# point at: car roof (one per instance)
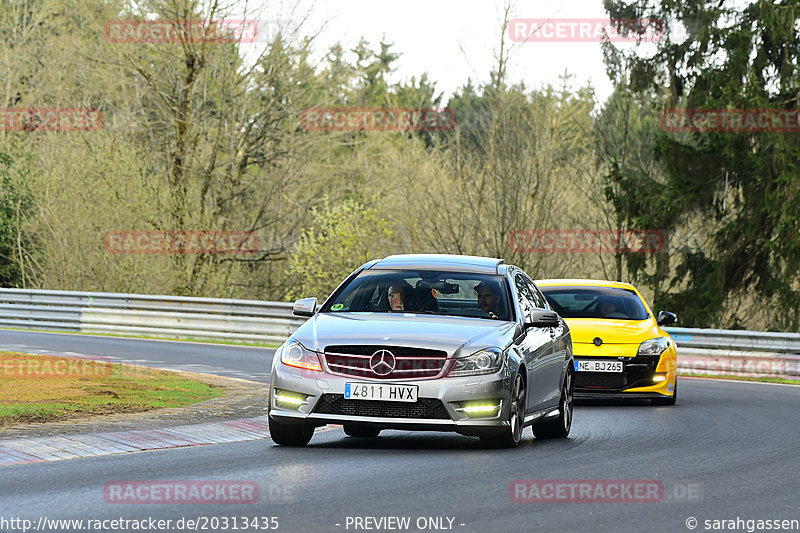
(582, 283)
(444, 262)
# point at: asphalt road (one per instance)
(726, 451)
(218, 359)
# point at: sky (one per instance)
(455, 40)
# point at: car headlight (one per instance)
(654, 346)
(295, 354)
(483, 362)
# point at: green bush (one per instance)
(341, 238)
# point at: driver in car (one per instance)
(490, 299)
(607, 308)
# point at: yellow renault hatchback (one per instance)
(620, 349)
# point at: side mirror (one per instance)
(541, 318)
(665, 318)
(305, 307)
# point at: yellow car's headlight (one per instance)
(655, 346)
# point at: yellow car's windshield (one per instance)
(595, 302)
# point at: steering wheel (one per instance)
(475, 312)
(432, 306)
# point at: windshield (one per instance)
(595, 302)
(429, 292)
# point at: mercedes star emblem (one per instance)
(382, 362)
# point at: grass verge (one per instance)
(40, 388)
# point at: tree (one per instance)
(744, 185)
(342, 237)
(17, 247)
(222, 139)
(633, 182)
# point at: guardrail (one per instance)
(737, 352)
(148, 315)
(700, 351)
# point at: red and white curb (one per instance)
(40, 449)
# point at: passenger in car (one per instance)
(401, 297)
(490, 298)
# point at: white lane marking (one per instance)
(205, 343)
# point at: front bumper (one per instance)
(618, 395)
(436, 409)
(635, 380)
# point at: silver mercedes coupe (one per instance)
(426, 343)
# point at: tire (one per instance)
(667, 400)
(363, 432)
(512, 434)
(290, 434)
(560, 427)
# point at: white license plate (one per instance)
(380, 391)
(598, 366)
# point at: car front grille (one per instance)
(602, 380)
(636, 372)
(409, 363)
(335, 404)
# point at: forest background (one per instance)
(196, 137)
